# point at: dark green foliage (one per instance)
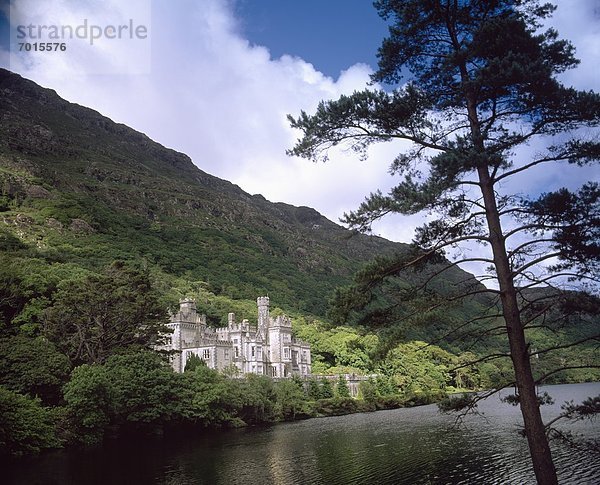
(25, 426)
(368, 390)
(212, 399)
(33, 366)
(314, 389)
(457, 403)
(589, 408)
(139, 392)
(578, 245)
(4, 206)
(102, 314)
(192, 362)
(337, 406)
(89, 402)
(8, 242)
(386, 384)
(290, 398)
(143, 389)
(326, 388)
(341, 388)
(259, 398)
(27, 285)
(513, 399)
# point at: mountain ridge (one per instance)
(62, 161)
(45, 142)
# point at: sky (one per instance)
(215, 79)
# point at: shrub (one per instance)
(25, 426)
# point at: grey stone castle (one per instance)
(267, 348)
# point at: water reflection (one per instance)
(413, 446)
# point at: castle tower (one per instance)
(187, 305)
(263, 315)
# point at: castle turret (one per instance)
(263, 315)
(187, 305)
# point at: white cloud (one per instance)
(98, 37)
(212, 95)
(579, 21)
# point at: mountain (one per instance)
(75, 182)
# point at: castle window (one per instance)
(253, 350)
(274, 371)
(226, 353)
(206, 354)
(304, 359)
(259, 352)
(286, 353)
(237, 351)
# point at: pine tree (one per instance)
(314, 389)
(326, 388)
(482, 84)
(341, 389)
(192, 362)
(106, 313)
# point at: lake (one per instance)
(413, 446)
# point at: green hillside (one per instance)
(78, 191)
(80, 188)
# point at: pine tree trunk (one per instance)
(539, 448)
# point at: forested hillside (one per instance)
(82, 189)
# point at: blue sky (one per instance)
(216, 78)
(332, 34)
(4, 29)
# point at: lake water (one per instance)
(412, 446)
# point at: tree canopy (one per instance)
(102, 314)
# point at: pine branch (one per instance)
(566, 346)
(541, 379)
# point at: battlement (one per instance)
(188, 304)
(244, 326)
(282, 321)
(183, 325)
(188, 313)
(262, 301)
